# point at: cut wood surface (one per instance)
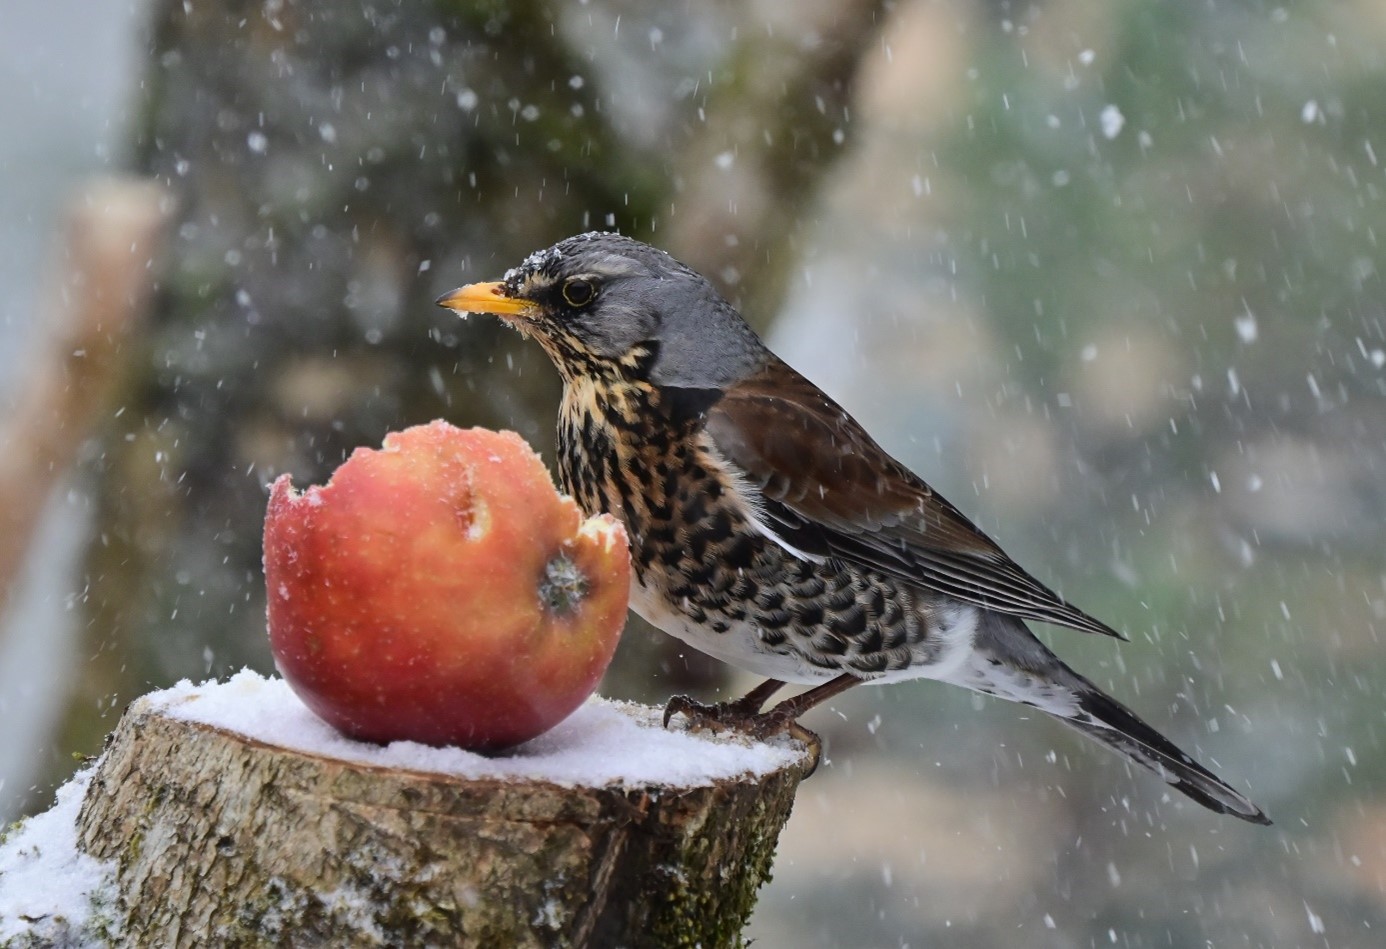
(224, 839)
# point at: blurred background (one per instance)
(1106, 273)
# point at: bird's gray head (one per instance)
(602, 301)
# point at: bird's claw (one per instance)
(718, 717)
(733, 716)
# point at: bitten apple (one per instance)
(440, 590)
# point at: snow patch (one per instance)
(601, 744)
(50, 892)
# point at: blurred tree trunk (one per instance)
(97, 295)
(337, 166)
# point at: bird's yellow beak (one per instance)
(487, 298)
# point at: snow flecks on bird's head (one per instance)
(540, 262)
(604, 253)
(543, 267)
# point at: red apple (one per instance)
(440, 590)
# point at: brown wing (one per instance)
(830, 490)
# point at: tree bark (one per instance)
(219, 837)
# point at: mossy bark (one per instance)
(221, 838)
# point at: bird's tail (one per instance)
(1010, 663)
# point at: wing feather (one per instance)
(827, 487)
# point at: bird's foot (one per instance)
(748, 719)
(722, 716)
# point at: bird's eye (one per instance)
(579, 291)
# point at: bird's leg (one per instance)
(723, 714)
(784, 717)
(791, 708)
(753, 700)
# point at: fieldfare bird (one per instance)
(767, 528)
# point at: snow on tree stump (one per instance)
(235, 816)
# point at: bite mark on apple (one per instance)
(478, 516)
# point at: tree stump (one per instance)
(223, 837)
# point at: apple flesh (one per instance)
(440, 590)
